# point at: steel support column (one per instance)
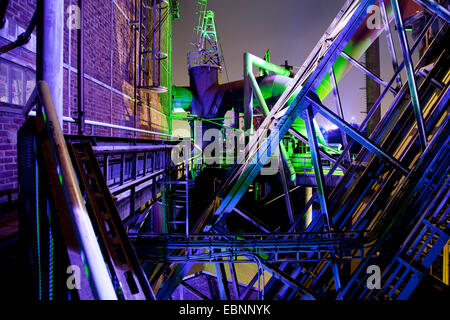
(287, 196)
(315, 158)
(410, 73)
(222, 281)
(50, 40)
(248, 95)
(337, 99)
(80, 74)
(390, 42)
(234, 279)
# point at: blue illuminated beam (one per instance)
(265, 148)
(315, 157)
(435, 7)
(348, 129)
(410, 73)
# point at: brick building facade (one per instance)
(110, 53)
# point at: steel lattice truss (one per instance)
(401, 170)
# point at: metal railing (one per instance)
(86, 238)
(205, 58)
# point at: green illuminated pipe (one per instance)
(266, 110)
(361, 41)
(252, 60)
(182, 98)
(249, 84)
(270, 87)
(274, 85)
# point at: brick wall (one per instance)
(10, 122)
(110, 68)
(109, 64)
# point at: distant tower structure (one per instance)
(208, 52)
(204, 66)
(152, 42)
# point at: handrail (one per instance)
(27, 111)
(92, 256)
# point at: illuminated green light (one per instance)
(86, 270)
(182, 99)
(178, 110)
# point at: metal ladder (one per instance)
(178, 197)
(124, 267)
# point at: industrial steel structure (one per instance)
(256, 203)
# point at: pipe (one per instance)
(216, 100)
(248, 94)
(266, 111)
(363, 37)
(251, 60)
(23, 38)
(115, 126)
(250, 87)
(50, 40)
(93, 258)
(3, 8)
(361, 40)
(103, 124)
(80, 74)
(266, 65)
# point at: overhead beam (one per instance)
(369, 73)
(436, 8)
(328, 114)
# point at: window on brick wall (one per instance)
(16, 83)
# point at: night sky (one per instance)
(290, 28)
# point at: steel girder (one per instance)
(306, 104)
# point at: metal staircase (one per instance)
(125, 269)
